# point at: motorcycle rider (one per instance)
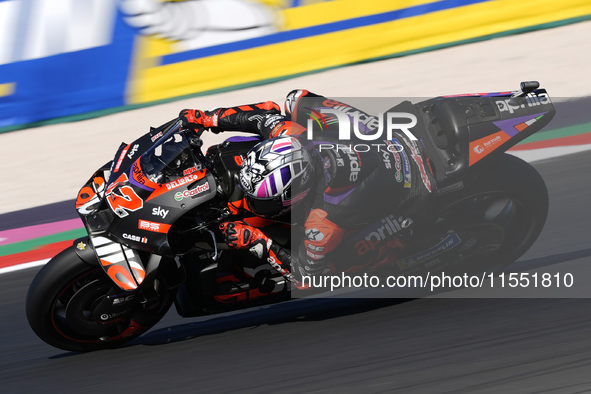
(341, 187)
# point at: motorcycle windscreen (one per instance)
(170, 159)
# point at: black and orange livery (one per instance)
(152, 215)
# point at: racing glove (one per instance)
(197, 120)
(240, 235)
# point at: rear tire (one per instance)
(67, 307)
(509, 200)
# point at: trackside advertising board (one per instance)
(61, 58)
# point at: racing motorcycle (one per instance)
(152, 215)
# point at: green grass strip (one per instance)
(559, 133)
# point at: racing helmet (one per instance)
(275, 174)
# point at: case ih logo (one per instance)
(135, 238)
(153, 226)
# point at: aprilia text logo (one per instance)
(512, 105)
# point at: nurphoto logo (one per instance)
(394, 121)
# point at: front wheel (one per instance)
(75, 306)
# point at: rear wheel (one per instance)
(499, 217)
(75, 306)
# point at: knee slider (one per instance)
(322, 235)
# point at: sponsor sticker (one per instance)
(398, 167)
(156, 136)
(389, 226)
(181, 181)
(414, 150)
(192, 193)
(132, 151)
(160, 212)
(449, 242)
(191, 170)
(121, 157)
(530, 100)
(138, 174)
(405, 162)
(135, 238)
(153, 226)
(273, 120)
(485, 145)
(313, 234)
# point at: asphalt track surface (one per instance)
(346, 345)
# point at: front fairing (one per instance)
(152, 182)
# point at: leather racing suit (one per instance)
(358, 189)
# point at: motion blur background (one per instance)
(70, 60)
(74, 57)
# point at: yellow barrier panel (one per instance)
(6, 89)
(152, 81)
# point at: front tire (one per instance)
(75, 306)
